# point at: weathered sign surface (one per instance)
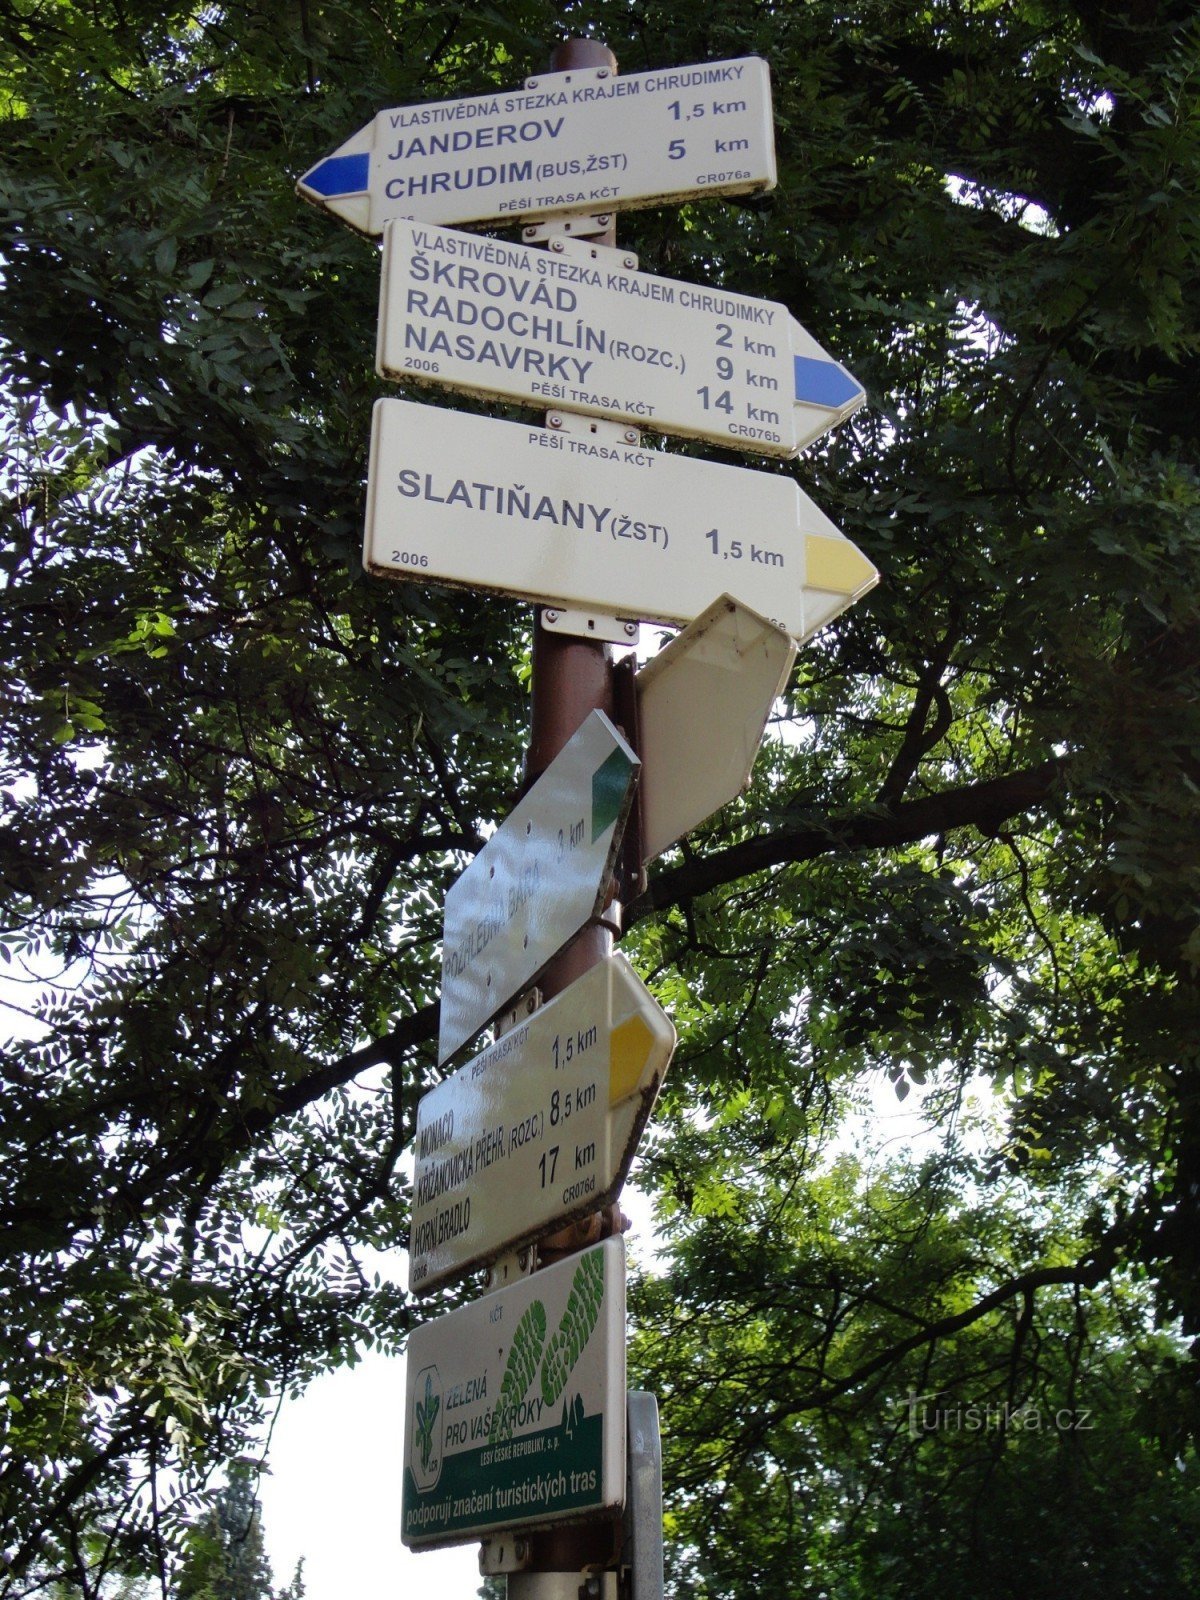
(572, 327)
(539, 879)
(539, 1127)
(576, 142)
(703, 704)
(562, 519)
(515, 1407)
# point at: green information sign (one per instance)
(515, 1408)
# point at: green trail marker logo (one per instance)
(428, 1430)
(558, 1359)
(575, 1329)
(521, 1420)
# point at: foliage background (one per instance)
(238, 778)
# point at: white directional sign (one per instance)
(515, 1406)
(566, 520)
(703, 703)
(539, 879)
(584, 141)
(567, 328)
(539, 1127)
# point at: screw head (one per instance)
(604, 220)
(602, 73)
(631, 436)
(531, 83)
(631, 628)
(557, 244)
(631, 261)
(552, 616)
(555, 422)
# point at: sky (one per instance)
(332, 1495)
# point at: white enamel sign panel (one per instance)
(515, 1405)
(563, 519)
(539, 879)
(539, 1127)
(573, 328)
(583, 142)
(703, 703)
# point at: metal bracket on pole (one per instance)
(510, 1268)
(575, 227)
(610, 256)
(503, 1552)
(599, 428)
(599, 1586)
(522, 1008)
(591, 624)
(562, 1586)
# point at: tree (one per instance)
(867, 1388)
(225, 1558)
(239, 775)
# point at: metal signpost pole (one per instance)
(515, 1416)
(571, 677)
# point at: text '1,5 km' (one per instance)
(581, 141)
(539, 1127)
(564, 520)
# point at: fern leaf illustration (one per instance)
(426, 1416)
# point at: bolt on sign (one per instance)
(582, 142)
(566, 327)
(538, 1128)
(515, 1405)
(562, 519)
(542, 877)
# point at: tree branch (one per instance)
(985, 806)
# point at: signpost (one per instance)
(515, 1413)
(562, 519)
(585, 141)
(564, 328)
(703, 704)
(540, 878)
(538, 1128)
(515, 1405)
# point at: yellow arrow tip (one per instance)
(630, 1045)
(837, 566)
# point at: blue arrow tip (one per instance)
(339, 175)
(824, 383)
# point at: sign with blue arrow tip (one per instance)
(578, 327)
(569, 143)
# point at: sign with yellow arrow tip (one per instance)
(592, 525)
(538, 1128)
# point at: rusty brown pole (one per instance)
(571, 678)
